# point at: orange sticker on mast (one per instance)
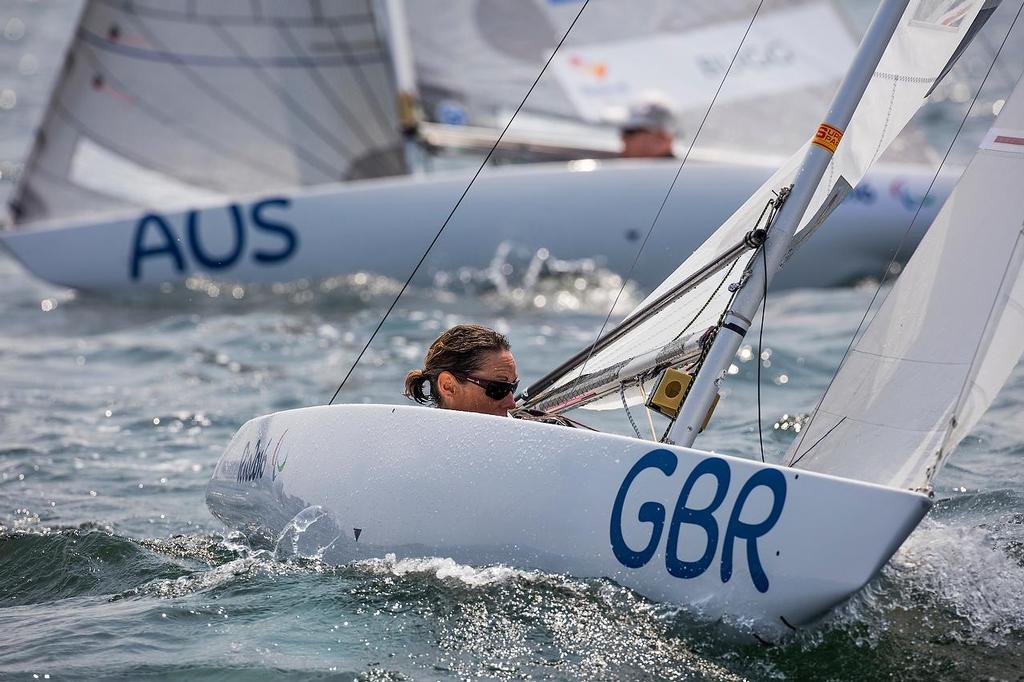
(827, 137)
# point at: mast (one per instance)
(403, 62)
(737, 319)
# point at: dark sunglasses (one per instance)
(495, 390)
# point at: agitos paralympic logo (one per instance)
(253, 463)
(910, 200)
(598, 70)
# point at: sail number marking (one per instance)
(156, 239)
(698, 524)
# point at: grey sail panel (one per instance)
(180, 102)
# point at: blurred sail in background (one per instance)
(164, 102)
(476, 58)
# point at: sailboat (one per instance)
(768, 547)
(260, 142)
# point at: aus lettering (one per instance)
(691, 524)
(273, 240)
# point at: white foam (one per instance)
(445, 568)
(965, 570)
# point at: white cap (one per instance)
(650, 113)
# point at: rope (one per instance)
(625, 406)
(457, 204)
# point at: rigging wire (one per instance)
(899, 247)
(458, 203)
(760, 339)
(664, 201)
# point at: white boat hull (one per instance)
(755, 544)
(384, 226)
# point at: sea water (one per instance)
(114, 410)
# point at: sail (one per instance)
(176, 101)
(929, 35)
(476, 58)
(945, 339)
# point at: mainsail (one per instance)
(946, 337)
(476, 58)
(929, 37)
(174, 100)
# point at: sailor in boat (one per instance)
(468, 368)
(648, 130)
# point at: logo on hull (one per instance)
(252, 466)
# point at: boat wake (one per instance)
(951, 598)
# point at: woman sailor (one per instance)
(468, 368)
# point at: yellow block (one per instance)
(668, 395)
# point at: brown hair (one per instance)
(459, 350)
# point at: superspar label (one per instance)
(827, 137)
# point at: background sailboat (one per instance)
(180, 136)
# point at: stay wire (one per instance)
(664, 201)
(458, 203)
(760, 340)
(899, 247)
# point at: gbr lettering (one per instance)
(690, 526)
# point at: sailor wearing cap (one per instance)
(648, 130)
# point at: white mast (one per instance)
(403, 62)
(738, 318)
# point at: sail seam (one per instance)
(901, 78)
(168, 57)
(897, 358)
(883, 425)
(191, 17)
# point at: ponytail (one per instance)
(415, 382)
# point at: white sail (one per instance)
(475, 59)
(175, 100)
(929, 36)
(945, 339)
